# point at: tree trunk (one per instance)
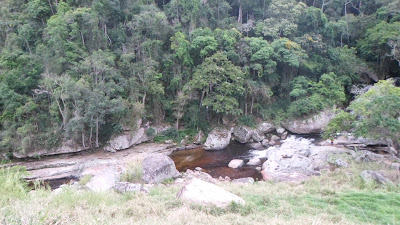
(97, 132)
(83, 138)
(240, 12)
(252, 104)
(177, 124)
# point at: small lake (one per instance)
(216, 163)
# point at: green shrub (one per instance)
(247, 121)
(151, 132)
(133, 174)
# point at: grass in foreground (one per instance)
(338, 197)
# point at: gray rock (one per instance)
(218, 139)
(236, 163)
(246, 180)
(256, 145)
(242, 134)
(198, 139)
(257, 137)
(265, 127)
(370, 175)
(129, 138)
(274, 140)
(395, 166)
(157, 168)
(284, 135)
(321, 155)
(254, 162)
(109, 149)
(123, 187)
(280, 130)
(338, 162)
(69, 146)
(204, 193)
(265, 143)
(313, 125)
(292, 146)
(168, 141)
(367, 156)
(103, 181)
(278, 164)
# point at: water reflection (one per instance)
(216, 163)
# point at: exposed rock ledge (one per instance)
(313, 125)
(66, 147)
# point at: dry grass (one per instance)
(338, 197)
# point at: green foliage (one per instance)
(247, 121)
(374, 114)
(151, 132)
(133, 173)
(312, 97)
(220, 82)
(81, 70)
(11, 184)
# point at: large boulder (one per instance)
(278, 164)
(322, 156)
(289, 161)
(265, 127)
(313, 125)
(129, 138)
(218, 139)
(242, 134)
(157, 168)
(293, 145)
(204, 193)
(103, 181)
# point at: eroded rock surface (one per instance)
(218, 139)
(313, 125)
(157, 168)
(204, 193)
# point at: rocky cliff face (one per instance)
(312, 125)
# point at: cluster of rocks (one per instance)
(264, 135)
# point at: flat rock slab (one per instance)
(204, 193)
(236, 163)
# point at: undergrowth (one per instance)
(338, 197)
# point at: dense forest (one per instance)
(84, 69)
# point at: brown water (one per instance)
(216, 163)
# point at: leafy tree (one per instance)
(374, 114)
(220, 83)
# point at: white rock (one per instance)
(242, 134)
(103, 181)
(235, 163)
(314, 124)
(157, 168)
(218, 139)
(280, 130)
(265, 127)
(204, 193)
(254, 162)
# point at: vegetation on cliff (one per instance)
(84, 70)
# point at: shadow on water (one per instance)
(216, 163)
